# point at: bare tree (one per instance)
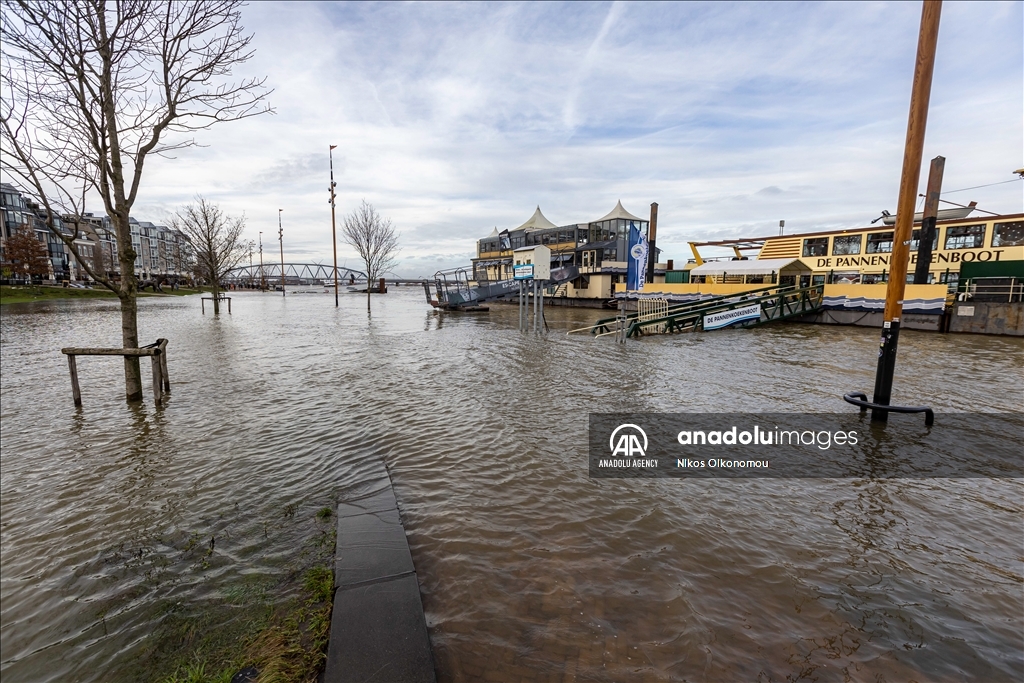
(91, 88)
(374, 239)
(215, 241)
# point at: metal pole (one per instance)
(280, 237)
(928, 219)
(540, 323)
(334, 233)
(520, 305)
(534, 305)
(263, 277)
(910, 177)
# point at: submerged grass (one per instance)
(17, 294)
(285, 642)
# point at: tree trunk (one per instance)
(129, 308)
(367, 294)
(215, 291)
(130, 340)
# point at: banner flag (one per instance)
(636, 266)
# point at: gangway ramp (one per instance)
(457, 292)
(747, 309)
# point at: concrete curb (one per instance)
(378, 631)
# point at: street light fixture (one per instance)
(263, 275)
(280, 237)
(334, 231)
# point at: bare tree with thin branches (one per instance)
(92, 88)
(215, 240)
(374, 239)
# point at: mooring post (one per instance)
(76, 392)
(928, 220)
(913, 151)
(202, 303)
(229, 305)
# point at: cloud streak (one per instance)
(454, 119)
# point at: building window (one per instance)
(816, 246)
(1008, 234)
(880, 243)
(915, 240)
(845, 245)
(965, 237)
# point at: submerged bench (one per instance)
(204, 299)
(378, 631)
(156, 351)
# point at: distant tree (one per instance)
(214, 239)
(89, 89)
(374, 239)
(25, 255)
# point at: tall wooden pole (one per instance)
(334, 231)
(909, 179)
(928, 220)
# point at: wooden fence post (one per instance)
(158, 380)
(162, 345)
(76, 392)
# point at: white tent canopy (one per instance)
(619, 212)
(755, 267)
(537, 222)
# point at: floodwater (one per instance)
(529, 569)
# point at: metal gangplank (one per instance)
(456, 292)
(777, 303)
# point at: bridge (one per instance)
(304, 274)
(294, 274)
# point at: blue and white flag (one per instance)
(636, 260)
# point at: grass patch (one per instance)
(287, 644)
(18, 294)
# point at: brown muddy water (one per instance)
(529, 569)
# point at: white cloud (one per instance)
(454, 119)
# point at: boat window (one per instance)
(965, 236)
(915, 240)
(846, 277)
(845, 244)
(817, 279)
(880, 243)
(1008, 234)
(816, 246)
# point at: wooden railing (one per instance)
(156, 351)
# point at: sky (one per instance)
(453, 119)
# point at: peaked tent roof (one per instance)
(494, 233)
(537, 222)
(619, 212)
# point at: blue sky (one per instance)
(454, 119)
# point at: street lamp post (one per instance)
(280, 238)
(263, 276)
(334, 231)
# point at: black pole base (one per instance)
(886, 368)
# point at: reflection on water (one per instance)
(118, 522)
